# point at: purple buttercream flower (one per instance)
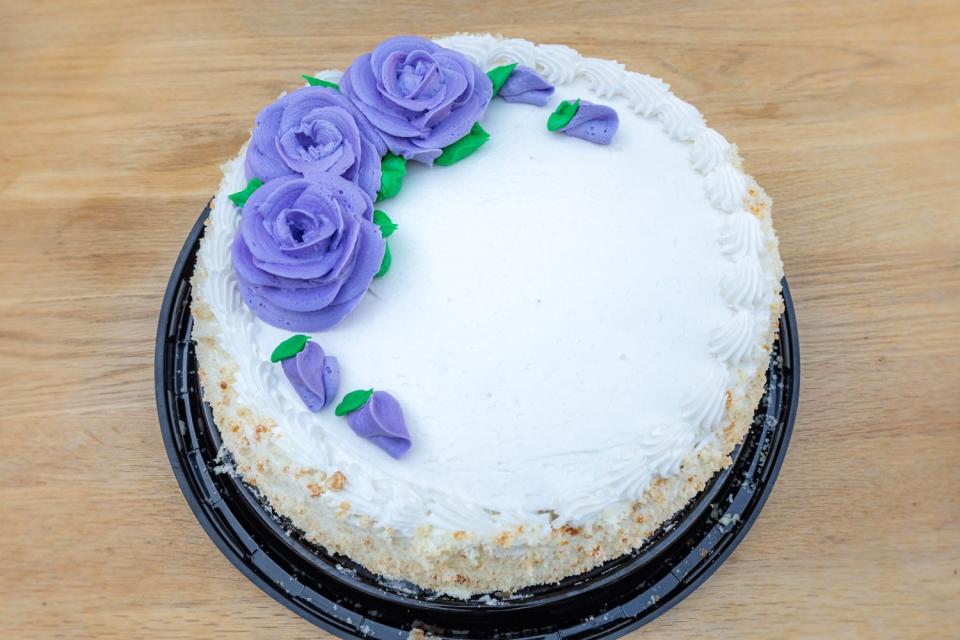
(314, 375)
(595, 123)
(421, 97)
(380, 420)
(526, 85)
(306, 251)
(311, 131)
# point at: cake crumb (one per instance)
(337, 481)
(315, 490)
(459, 535)
(570, 531)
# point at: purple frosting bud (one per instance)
(421, 97)
(314, 376)
(306, 251)
(526, 85)
(595, 123)
(380, 420)
(311, 131)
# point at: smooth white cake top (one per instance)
(561, 323)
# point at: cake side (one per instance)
(465, 561)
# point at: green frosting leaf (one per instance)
(382, 220)
(499, 75)
(385, 265)
(563, 114)
(289, 347)
(392, 170)
(353, 401)
(240, 197)
(317, 82)
(463, 147)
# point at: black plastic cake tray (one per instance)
(345, 599)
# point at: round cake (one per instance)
(563, 339)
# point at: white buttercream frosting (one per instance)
(562, 323)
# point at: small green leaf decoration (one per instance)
(289, 347)
(317, 82)
(353, 401)
(382, 220)
(392, 170)
(499, 75)
(463, 147)
(240, 197)
(385, 265)
(563, 114)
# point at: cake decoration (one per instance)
(392, 170)
(315, 131)
(319, 82)
(308, 246)
(420, 96)
(382, 220)
(526, 86)
(240, 197)
(353, 401)
(385, 263)
(463, 147)
(595, 123)
(306, 251)
(376, 416)
(289, 347)
(563, 114)
(314, 375)
(499, 75)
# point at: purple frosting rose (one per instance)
(311, 131)
(421, 97)
(314, 375)
(526, 85)
(306, 251)
(380, 420)
(595, 123)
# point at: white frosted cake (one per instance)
(572, 337)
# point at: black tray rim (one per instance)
(333, 625)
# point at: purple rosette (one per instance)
(595, 123)
(527, 86)
(314, 375)
(315, 130)
(306, 251)
(421, 97)
(380, 420)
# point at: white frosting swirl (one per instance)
(733, 341)
(741, 237)
(604, 76)
(704, 404)
(557, 63)
(681, 120)
(513, 50)
(726, 187)
(745, 284)
(709, 151)
(645, 94)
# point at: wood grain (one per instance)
(115, 116)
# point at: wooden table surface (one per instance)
(114, 119)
